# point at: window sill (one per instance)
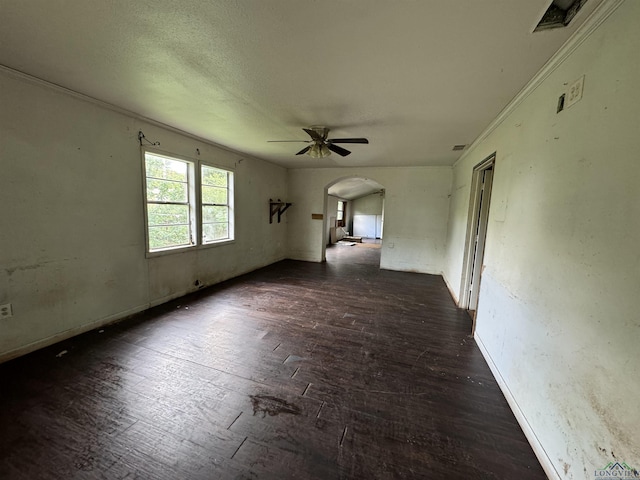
(217, 244)
(190, 248)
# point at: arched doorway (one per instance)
(353, 217)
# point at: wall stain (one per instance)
(34, 266)
(617, 431)
(11, 271)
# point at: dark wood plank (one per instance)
(298, 370)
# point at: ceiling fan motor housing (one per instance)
(323, 146)
(322, 131)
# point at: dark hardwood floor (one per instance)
(299, 370)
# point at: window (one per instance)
(173, 189)
(169, 206)
(216, 206)
(340, 214)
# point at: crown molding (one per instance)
(591, 24)
(114, 108)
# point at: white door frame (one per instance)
(477, 223)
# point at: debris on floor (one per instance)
(348, 244)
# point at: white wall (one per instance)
(369, 211)
(416, 209)
(72, 245)
(369, 205)
(556, 318)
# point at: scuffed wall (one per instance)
(562, 266)
(72, 245)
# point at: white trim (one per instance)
(123, 111)
(194, 183)
(451, 291)
(538, 449)
(469, 243)
(599, 15)
(173, 296)
(217, 243)
(231, 204)
(116, 317)
(192, 203)
(72, 332)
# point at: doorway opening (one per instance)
(354, 221)
(481, 183)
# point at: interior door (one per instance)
(480, 235)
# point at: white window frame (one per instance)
(340, 213)
(229, 205)
(195, 203)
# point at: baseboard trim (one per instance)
(537, 447)
(72, 332)
(116, 317)
(451, 290)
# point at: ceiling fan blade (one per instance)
(339, 150)
(313, 134)
(289, 141)
(348, 140)
(304, 150)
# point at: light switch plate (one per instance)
(574, 93)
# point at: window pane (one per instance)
(166, 191)
(160, 167)
(169, 202)
(214, 195)
(214, 176)
(215, 231)
(215, 214)
(168, 236)
(168, 214)
(340, 215)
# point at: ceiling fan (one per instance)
(321, 145)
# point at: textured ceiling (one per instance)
(414, 77)
(352, 188)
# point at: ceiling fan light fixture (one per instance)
(319, 150)
(314, 151)
(320, 146)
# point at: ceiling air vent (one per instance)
(457, 148)
(559, 14)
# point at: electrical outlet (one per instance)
(6, 311)
(574, 94)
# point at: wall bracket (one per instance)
(278, 207)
